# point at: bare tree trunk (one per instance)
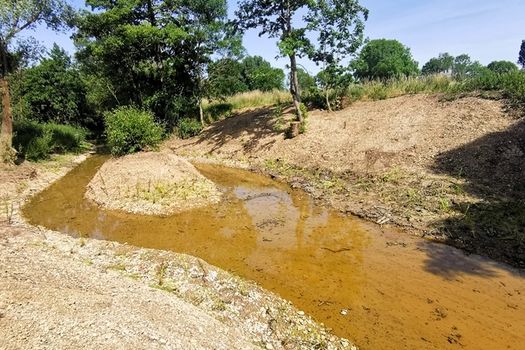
(201, 112)
(294, 88)
(327, 96)
(6, 135)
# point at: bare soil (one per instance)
(151, 183)
(448, 170)
(61, 292)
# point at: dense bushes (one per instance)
(36, 141)
(130, 130)
(52, 92)
(188, 127)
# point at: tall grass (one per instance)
(216, 110)
(380, 90)
(510, 85)
(36, 141)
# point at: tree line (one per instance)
(165, 57)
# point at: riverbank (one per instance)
(447, 170)
(63, 292)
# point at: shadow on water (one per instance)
(494, 168)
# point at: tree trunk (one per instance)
(201, 112)
(327, 96)
(6, 135)
(294, 88)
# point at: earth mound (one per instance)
(152, 184)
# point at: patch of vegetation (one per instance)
(218, 111)
(130, 130)
(37, 141)
(188, 127)
(254, 99)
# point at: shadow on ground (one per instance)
(256, 129)
(494, 168)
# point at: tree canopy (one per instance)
(229, 76)
(521, 57)
(502, 67)
(384, 59)
(152, 52)
(444, 63)
(15, 17)
(336, 25)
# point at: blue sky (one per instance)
(487, 30)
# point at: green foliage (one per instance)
(152, 54)
(218, 111)
(52, 91)
(330, 29)
(17, 16)
(36, 141)
(258, 74)
(130, 130)
(439, 65)
(225, 77)
(306, 81)
(502, 67)
(228, 77)
(251, 99)
(384, 59)
(188, 127)
(521, 57)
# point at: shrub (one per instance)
(66, 138)
(188, 128)
(130, 130)
(36, 141)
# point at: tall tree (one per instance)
(521, 58)
(384, 59)
(17, 16)
(337, 25)
(502, 67)
(152, 53)
(442, 64)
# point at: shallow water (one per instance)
(378, 287)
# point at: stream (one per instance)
(376, 286)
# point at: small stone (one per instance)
(344, 312)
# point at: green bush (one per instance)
(130, 130)
(188, 127)
(36, 141)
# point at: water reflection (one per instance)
(323, 262)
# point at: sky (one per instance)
(487, 30)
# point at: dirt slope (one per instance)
(408, 131)
(420, 161)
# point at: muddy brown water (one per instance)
(379, 287)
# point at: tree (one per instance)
(335, 23)
(225, 78)
(15, 17)
(53, 91)
(306, 81)
(502, 67)
(442, 64)
(258, 74)
(152, 53)
(521, 58)
(384, 59)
